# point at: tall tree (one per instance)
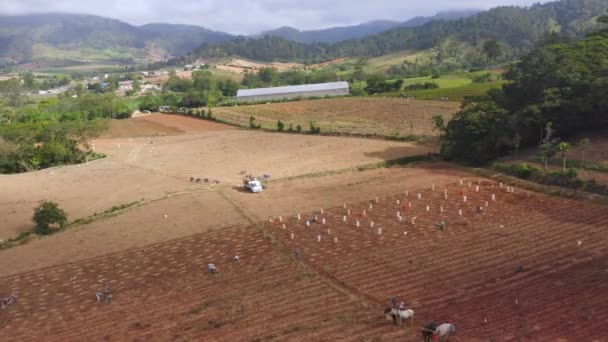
(564, 148)
(492, 49)
(584, 144)
(359, 74)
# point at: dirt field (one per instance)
(466, 273)
(160, 124)
(384, 116)
(155, 255)
(163, 79)
(137, 169)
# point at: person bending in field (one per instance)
(428, 331)
(212, 268)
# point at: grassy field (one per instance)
(367, 115)
(457, 93)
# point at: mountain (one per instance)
(87, 37)
(338, 34)
(518, 29)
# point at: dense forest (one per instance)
(518, 29)
(556, 91)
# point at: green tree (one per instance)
(517, 144)
(136, 84)
(48, 215)
(439, 124)
(549, 145)
(280, 126)
(564, 148)
(29, 81)
(584, 144)
(477, 134)
(79, 89)
(492, 49)
(267, 75)
(359, 73)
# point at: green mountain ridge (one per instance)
(73, 36)
(516, 28)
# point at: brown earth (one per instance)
(155, 255)
(383, 116)
(160, 124)
(149, 168)
(466, 273)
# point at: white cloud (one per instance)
(251, 16)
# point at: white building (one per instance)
(125, 85)
(289, 92)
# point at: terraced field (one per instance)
(467, 273)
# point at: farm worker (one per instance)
(402, 306)
(480, 209)
(212, 268)
(298, 253)
(442, 225)
(461, 192)
(236, 258)
(394, 302)
(428, 331)
(445, 329)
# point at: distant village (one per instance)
(150, 81)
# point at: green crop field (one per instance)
(454, 93)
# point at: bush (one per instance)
(314, 129)
(299, 128)
(484, 78)
(435, 75)
(252, 123)
(421, 86)
(523, 171)
(567, 179)
(280, 126)
(48, 215)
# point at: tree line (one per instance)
(555, 93)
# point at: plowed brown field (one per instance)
(467, 273)
(382, 116)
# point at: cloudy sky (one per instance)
(252, 16)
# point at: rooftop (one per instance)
(292, 89)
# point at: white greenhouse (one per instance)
(289, 92)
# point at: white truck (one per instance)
(253, 185)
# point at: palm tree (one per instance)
(564, 148)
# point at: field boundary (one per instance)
(406, 138)
(366, 167)
(541, 188)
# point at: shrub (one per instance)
(420, 86)
(314, 129)
(280, 126)
(299, 128)
(47, 215)
(252, 123)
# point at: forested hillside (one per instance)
(556, 92)
(86, 37)
(517, 29)
(338, 34)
